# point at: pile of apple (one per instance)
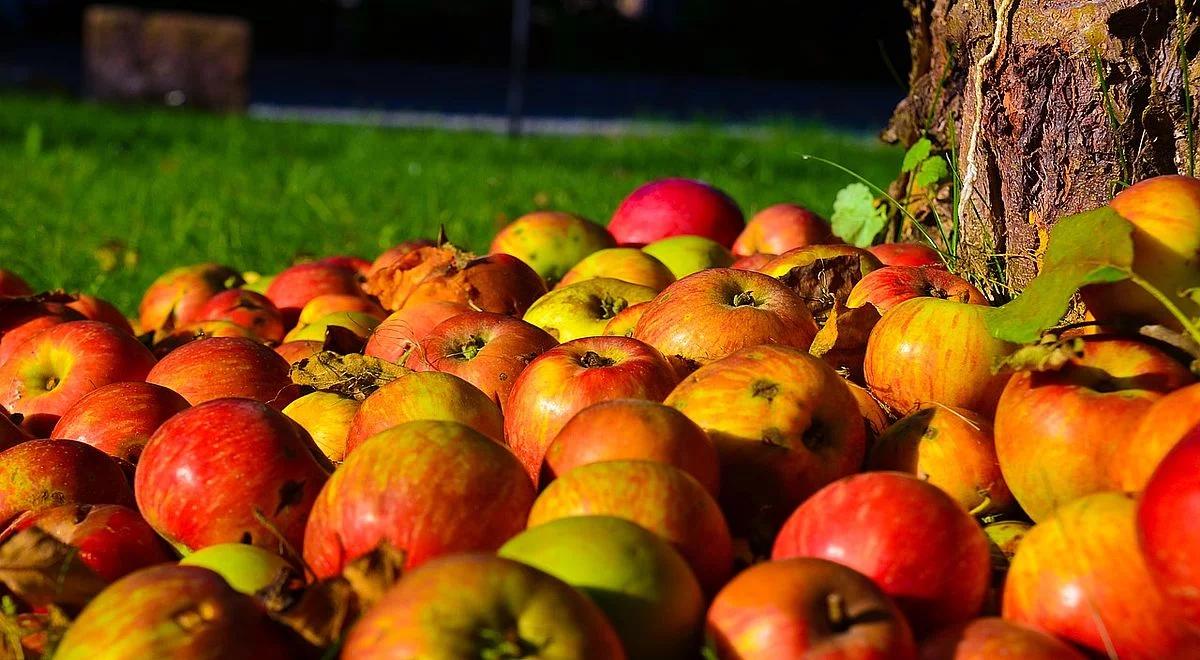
(684, 434)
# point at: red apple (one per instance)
(1165, 214)
(118, 419)
(674, 207)
(660, 497)
(429, 395)
(390, 256)
(950, 448)
(220, 367)
(784, 425)
(55, 368)
(42, 474)
(624, 322)
(402, 332)
(10, 433)
(113, 540)
(633, 429)
(1057, 431)
(570, 377)
(209, 472)
(754, 262)
(807, 608)
(356, 264)
(175, 297)
(917, 544)
(23, 318)
(992, 637)
(430, 488)
(487, 350)
(928, 350)
(487, 607)
(294, 351)
(713, 313)
(98, 309)
(1080, 576)
(551, 242)
(330, 303)
(295, 286)
(1166, 529)
(499, 283)
(907, 254)
(1163, 425)
(247, 309)
(626, 264)
(782, 227)
(11, 284)
(891, 285)
(174, 611)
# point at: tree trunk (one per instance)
(1047, 108)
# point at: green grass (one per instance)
(104, 200)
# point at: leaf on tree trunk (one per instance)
(355, 376)
(1089, 248)
(856, 218)
(916, 155)
(41, 570)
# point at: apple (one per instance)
(623, 324)
(175, 611)
(1057, 431)
(294, 351)
(873, 414)
(807, 608)
(660, 497)
(891, 285)
(625, 264)
(166, 342)
(1005, 537)
(713, 313)
(339, 302)
(327, 417)
(55, 368)
(583, 309)
(1079, 575)
(920, 546)
(402, 331)
(430, 395)
(1165, 528)
(356, 264)
(245, 308)
(10, 433)
(11, 284)
(685, 255)
(1162, 426)
(1165, 214)
(782, 227)
(360, 323)
(113, 540)
(42, 474)
(118, 419)
(628, 429)
(643, 586)
(673, 207)
(396, 253)
(294, 287)
(754, 262)
(177, 296)
(21, 319)
(479, 605)
(247, 568)
(784, 425)
(907, 254)
(928, 350)
(210, 472)
(572, 376)
(952, 449)
(98, 309)
(219, 367)
(430, 488)
(993, 637)
(499, 283)
(551, 242)
(487, 350)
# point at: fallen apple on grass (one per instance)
(401, 333)
(782, 227)
(674, 207)
(221, 367)
(247, 309)
(424, 395)
(625, 264)
(685, 255)
(119, 419)
(891, 285)
(176, 297)
(585, 308)
(551, 242)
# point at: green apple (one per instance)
(640, 582)
(623, 263)
(360, 323)
(583, 309)
(246, 568)
(326, 416)
(551, 242)
(685, 255)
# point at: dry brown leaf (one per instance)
(353, 375)
(825, 283)
(41, 570)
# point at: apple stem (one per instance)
(1188, 326)
(744, 298)
(592, 360)
(835, 606)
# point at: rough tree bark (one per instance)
(1048, 107)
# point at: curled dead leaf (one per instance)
(41, 571)
(355, 376)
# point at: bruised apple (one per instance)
(42, 474)
(499, 283)
(401, 333)
(247, 309)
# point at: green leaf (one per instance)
(856, 219)
(931, 171)
(1090, 248)
(916, 154)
